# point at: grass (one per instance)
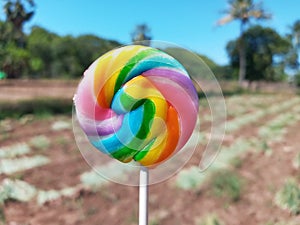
(14, 150)
(62, 140)
(281, 223)
(39, 108)
(296, 161)
(16, 190)
(49, 195)
(211, 219)
(190, 178)
(288, 197)
(236, 162)
(227, 184)
(261, 145)
(11, 166)
(249, 118)
(61, 125)
(40, 142)
(154, 222)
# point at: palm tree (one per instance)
(141, 35)
(296, 34)
(243, 11)
(17, 14)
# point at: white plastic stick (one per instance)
(143, 198)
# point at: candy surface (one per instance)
(137, 103)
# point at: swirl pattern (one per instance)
(137, 103)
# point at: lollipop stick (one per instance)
(143, 198)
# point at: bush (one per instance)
(38, 107)
(227, 184)
(289, 197)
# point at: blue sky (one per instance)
(190, 24)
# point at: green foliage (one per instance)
(10, 166)
(61, 125)
(37, 107)
(211, 219)
(296, 161)
(17, 190)
(6, 30)
(40, 142)
(49, 195)
(190, 178)
(227, 184)
(265, 51)
(297, 79)
(14, 150)
(48, 55)
(289, 197)
(236, 162)
(296, 33)
(39, 43)
(154, 222)
(14, 61)
(243, 11)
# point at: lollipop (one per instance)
(137, 103)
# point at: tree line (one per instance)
(259, 53)
(41, 53)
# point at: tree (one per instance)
(265, 52)
(295, 51)
(14, 61)
(39, 43)
(6, 30)
(90, 47)
(243, 11)
(297, 79)
(141, 35)
(17, 13)
(296, 34)
(295, 39)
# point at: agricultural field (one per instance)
(254, 179)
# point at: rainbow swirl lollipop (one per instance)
(137, 103)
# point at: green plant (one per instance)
(190, 178)
(17, 176)
(296, 161)
(227, 184)
(236, 162)
(61, 125)
(40, 108)
(40, 142)
(211, 219)
(154, 221)
(61, 140)
(281, 223)
(288, 197)
(11, 166)
(12, 151)
(91, 211)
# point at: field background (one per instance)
(45, 180)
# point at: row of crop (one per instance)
(221, 176)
